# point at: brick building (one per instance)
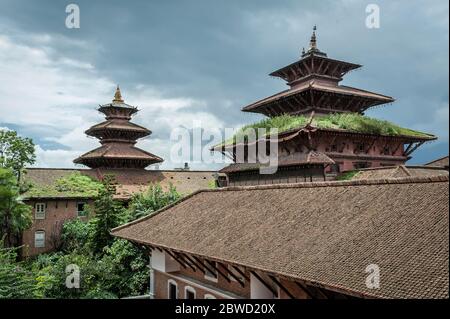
(305, 240)
(117, 156)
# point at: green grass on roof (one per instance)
(74, 185)
(342, 121)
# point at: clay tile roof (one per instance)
(399, 172)
(311, 157)
(129, 181)
(119, 124)
(441, 162)
(325, 233)
(340, 89)
(119, 150)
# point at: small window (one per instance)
(81, 209)
(208, 296)
(172, 289)
(211, 275)
(39, 211)
(189, 293)
(39, 239)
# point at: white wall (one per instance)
(258, 290)
(163, 262)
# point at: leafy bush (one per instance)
(153, 199)
(15, 280)
(75, 234)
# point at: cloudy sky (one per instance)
(202, 60)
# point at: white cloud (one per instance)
(55, 98)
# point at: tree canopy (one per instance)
(15, 152)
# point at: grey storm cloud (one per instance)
(219, 53)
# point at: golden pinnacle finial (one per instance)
(118, 96)
(313, 42)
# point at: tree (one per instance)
(109, 213)
(15, 151)
(15, 216)
(155, 198)
(15, 280)
(124, 269)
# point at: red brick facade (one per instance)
(57, 211)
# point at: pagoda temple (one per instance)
(118, 136)
(322, 130)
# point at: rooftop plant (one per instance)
(343, 121)
(73, 185)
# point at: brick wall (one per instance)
(56, 213)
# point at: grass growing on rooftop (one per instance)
(73, 185)
(343, 121)
(347, 176)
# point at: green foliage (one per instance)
(347, 176)
(153, 199)
(15, 280)
(15, 216)
(125, 269)
(212, 184)
(15, 151)
(109, 213)
(73, 185)
(75, 234)
(109, 267)
(343, 121)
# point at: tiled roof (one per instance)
(325, 233)
(118, 151)
(312, 85)
(311, 157)
(129, 181)
(441, 162)
(399, 172)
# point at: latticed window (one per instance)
(39, 239)
(39, 211)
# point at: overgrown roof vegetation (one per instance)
(347, 176)
(74, 185)
(352, 122)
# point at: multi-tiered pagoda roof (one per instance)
(118, 136)
(319, 122)
(314, 86)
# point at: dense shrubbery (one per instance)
(109, 267)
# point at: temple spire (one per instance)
(118, 96)
(313, 41)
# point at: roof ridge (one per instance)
(406, 180)
(403, 180)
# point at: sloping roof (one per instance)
(347, 66)
(313, 85)
(325, 233)
(311, 157)
(399, 172)
(119, 151)
(441, 162)
(348, 123)
(129, 181)
(119, 124)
